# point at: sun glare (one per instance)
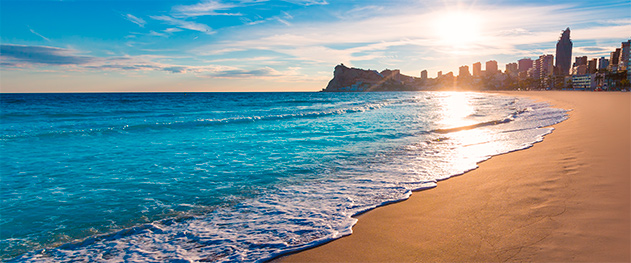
(457, 28)
(456, 109)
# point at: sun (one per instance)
(457, 27)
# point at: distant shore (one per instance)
(565, 199)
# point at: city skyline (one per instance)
(88, 46)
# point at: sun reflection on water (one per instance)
(465, 146)
(456, 108)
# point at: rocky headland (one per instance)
(347, 79)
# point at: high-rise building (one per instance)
(545, 67)
(592, 66)
(580, 61)
(491, 67)
(564, 53)
(439, 74)
(477, 69)
(424, 74)
(511, 68)
(603, 63)
(579, 70)
(623, 59)
(614, 58)
(524, 64)
(464, 71)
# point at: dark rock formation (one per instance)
(358, 80)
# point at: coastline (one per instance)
(565, 199)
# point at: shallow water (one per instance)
(231, 176)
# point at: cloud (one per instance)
(184, 24)
(241, 73)
(157, 34)
(376, 36)
(205, 8)
(176, 69)
(172, 30)
(19, 56)
(42, 55)
(307, 2)
(39, 35)
(136, 20)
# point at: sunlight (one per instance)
(457, 28)
(456, 110)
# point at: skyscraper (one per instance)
(614, 59)
(464, 71)
(524, 64)
(544, 68)
(491, 67)
(592, 66)
(624, 55)
(477, 69)
(424, 74)
(603, 63)
(580, 61)
(564, 53)
(511, 68)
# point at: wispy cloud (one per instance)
(136, 20)
(241, 73)
(17, 57)
(41, 55)
(205, 8)
(157, 34)
(307, 2)
(184, 24)
(411, 32)
(38, 34)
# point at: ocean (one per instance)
(231, 177)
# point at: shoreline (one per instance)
(564, 199)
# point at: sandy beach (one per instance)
(564, 199)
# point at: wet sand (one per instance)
(564, 199)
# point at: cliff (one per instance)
(354, 79)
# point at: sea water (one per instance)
(231, 176)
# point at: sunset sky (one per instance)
(292, 45)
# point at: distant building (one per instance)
(583, 81)
(464, 71)
(511, 69)
(580, 61)
(614, 59)
(491, 67)
(564, 53)
(579, 70)
(477, 69)
(524, 64)
(592, 66)
(439, 74)
(623, 59)
(603, 63)
(424, 74)
(545, 67)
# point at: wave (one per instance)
(473, 126)
(299, 214)
(201, 122)
(483, 124)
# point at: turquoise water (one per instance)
(231, 176)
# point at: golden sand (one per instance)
(565, 199)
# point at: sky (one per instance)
(290, 45)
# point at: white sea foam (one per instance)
(298, 213)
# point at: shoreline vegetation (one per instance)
(564, 199)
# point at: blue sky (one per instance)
(292, 45)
